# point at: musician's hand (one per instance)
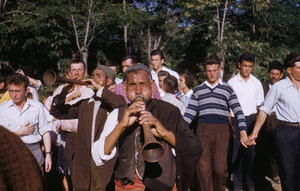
(75, 94)
(94, 85)
(21, 72)
(131, 113)
(158, 130)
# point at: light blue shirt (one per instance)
(285, 99)
(185, 98)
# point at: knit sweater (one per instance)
(213, 105)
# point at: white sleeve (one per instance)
(98, 146)
(69, 125)
(260, 95)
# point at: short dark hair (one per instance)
(158, 52)
(275, 65)
(130, 56)
(2, 91)
(290, 59)
(77, 61)
(16, 79)
(162, 73)
(211, 60)
(109, 63)
(2, 78)
(171, 84)
(247, 56)
(189, 79)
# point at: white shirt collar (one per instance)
(189, 93)
(28, 103)
(209, 85)
(239, 77)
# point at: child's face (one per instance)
(112, 87)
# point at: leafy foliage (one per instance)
(48, 33)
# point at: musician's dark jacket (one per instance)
(266, 87)
(109, 101)
(162, 175)
(60, 110)
(82, 143)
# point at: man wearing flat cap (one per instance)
(275, 73)
(91, 118)
(123, 135)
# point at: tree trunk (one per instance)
(125, 28)
(149, 42)
(221, 53)
(85, 53)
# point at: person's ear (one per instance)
(109, 81)
(152, 85)
(289, 70)
(281, 75)
(124, 87)
(27, 90)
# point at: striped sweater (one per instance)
(213, 105)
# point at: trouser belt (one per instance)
(32, 144)
(288, 123)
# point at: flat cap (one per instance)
(137, 67)
(110, 73)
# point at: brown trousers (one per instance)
(212, 166)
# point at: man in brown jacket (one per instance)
(91, 119)
(123, 131)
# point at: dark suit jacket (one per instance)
(81, 174)
(266, 88)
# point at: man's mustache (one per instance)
(138, 98)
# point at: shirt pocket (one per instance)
(12, 125)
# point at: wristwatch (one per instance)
(49, 153)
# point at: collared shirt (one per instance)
(33, 111)
(250, 94)
(118, 80)
(212, 87)
(155, 76)
(285, 99)
(120, 91)
(97, 104)
(70, 125)
(98, 146)
(85, 91)
(185, 98)
(171, 98)
(213, 103)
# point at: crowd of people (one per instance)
(152, 131)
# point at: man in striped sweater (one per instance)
(212, 101)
